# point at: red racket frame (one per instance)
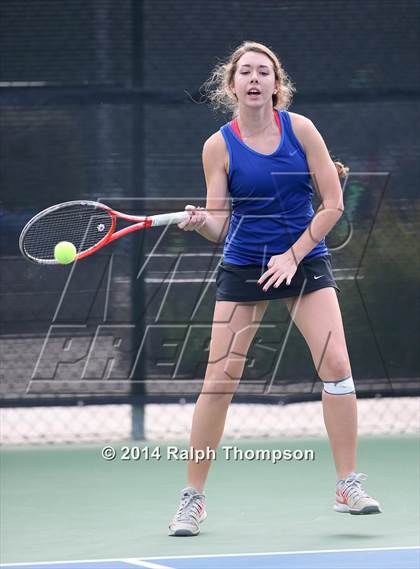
(140, 222)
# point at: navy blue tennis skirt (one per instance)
(239, 282)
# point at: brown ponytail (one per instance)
(341, 169)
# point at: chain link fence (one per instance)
(111, 423)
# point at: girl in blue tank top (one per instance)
(264, 162)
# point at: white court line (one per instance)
(146, 564)
(130, 560)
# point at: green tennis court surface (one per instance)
(68, 503)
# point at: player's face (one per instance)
(254, 80)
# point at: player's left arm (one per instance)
(326, 182)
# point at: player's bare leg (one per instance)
(318, 317)
(234, 327)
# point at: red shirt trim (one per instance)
(235, 126)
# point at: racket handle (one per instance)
(169, 218)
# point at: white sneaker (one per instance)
(352, 499)
(190, 514)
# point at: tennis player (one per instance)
(274, 247)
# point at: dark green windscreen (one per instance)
(100, 100)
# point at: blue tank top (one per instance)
(271, 198)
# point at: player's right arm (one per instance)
(217, 212)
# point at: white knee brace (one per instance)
(341, 387)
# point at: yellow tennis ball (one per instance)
(65, 252)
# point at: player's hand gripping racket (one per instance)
(87, 225)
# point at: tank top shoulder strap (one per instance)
(289, 132)
(287, 123)
(230, 142)
(227, 133)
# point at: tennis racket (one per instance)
(88, 225)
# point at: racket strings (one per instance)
(82, 224)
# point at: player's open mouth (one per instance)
(253, 92)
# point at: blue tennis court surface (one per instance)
(387, 558)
